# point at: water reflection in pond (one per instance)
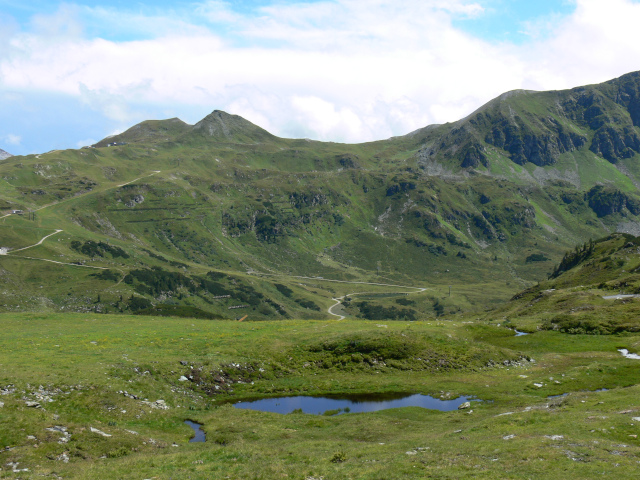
(520, 334)
(352, 403)
(199, 434)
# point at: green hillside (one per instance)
(487, 205)
(593, 290)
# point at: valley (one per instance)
(166, 273)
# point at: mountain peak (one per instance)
(149, 130)
(4, 155)
(226, 127)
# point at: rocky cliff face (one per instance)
(4, 154)
(538, 127)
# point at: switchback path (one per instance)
(154, 172)
(339, 299)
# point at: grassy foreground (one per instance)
(97, 379)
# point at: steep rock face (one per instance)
(525, 144)
(538, 127)
(627, 94)
(607, 201)
(614, 142)
(4, 154)
(598, 108)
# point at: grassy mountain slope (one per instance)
(486, 205)
(592, 290)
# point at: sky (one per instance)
(74, 72)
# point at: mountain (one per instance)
(224, 214)
(539, 127)
(4, 155)
(147, 132)
(593, 290)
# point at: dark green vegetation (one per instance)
(487, 205)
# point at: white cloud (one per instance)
(348, 70)
(85, 142)
(12, 139)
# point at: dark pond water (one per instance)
(199, 434)
(352, 403)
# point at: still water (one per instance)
(199, 434)
(352, 403)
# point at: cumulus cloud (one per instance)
(344, 70)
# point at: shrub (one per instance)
(339, 457)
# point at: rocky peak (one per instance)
(4, 155)
(223, 126)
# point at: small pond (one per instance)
(199, 434)
(333, 405)
(520, 334)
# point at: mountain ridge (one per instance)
(488, 205)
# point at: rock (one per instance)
(554, 437)
(508, 437)
(63, 457)
(1, 404)
(636, 419)
(99, 432)
(32, 404)
(183, 379)
(539, 385)
(159, 404)
(184, 363)
(464, 406)
(58, 428)
(63, 430)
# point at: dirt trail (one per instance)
(36, 244)
(338, 300)
(62, 263)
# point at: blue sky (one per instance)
(74, 72)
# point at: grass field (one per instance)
(77, 367)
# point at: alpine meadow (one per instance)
(166, 273)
